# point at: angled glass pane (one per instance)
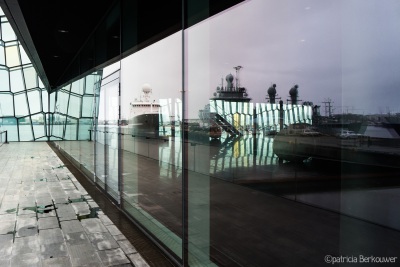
(10, 125)
(71, 129)
(6, 105)
(52, 101)
(30, 78)
(21, 105)
(87, 106)
(17, 82)
(38, 125)
(58, 125)
(62, 102)
(7, 32)
(84, 126)
(74, 108)
(45, 103)
(2, 57)
(77, 87)
(4, 80)
(34, 101)
(40, 83)
(12, 56)
(89, 84)
(25, 129)
(24, 56)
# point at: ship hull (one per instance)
(146, 125)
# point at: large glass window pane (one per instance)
(309, 55)
(90, 83)
(74, 108)
(17, 81)
(7, 33)
(24, 56)
(6, 105)
(151, 137)
(21, 105)
(4, 80)
(87, 106)
(2, 57)
(71, 129)
(30, 78)
(10, 125)
(34, 101)
(25, 129)
(38, 125)
(45, 99)
(77, 87)
(62, 102)
(12, 56)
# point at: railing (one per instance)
(6, 137)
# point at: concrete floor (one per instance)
(48, 219)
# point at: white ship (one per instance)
(144, 114)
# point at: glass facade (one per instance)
(252, 138)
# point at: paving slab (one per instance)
(76, 238)
(28, 260)
(50, 236)
(54, 250)
(102, 241)
(93, 225)
(6, 242)
(57, 262)
(24, 245)
(48, 223)
(114, 257)
(82, 255)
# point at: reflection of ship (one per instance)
(144, 115)
(231, 92)
(393, 122)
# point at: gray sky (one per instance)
(346, 50)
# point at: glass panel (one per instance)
(6, 105)
(4, 80)
(21, 105)
(45, 103)
(30, 78)
(25, 129)
(74, 108)
(24, 56)
(38, 125)
(7, 32)
(59, 125)
(2, 54)
(77, 87)
(107, 136)
(90, 83)
(17, 81)
(62, 102)
(52, 101)
(84, 126)
(87, 106)
(10, 125)
(150, 96)
(12, 56)
(34, 101)
(71, 129)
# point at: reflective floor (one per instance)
(284, 214)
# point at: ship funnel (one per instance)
(294, 93)
(272, 93)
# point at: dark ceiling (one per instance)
(64, 39)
